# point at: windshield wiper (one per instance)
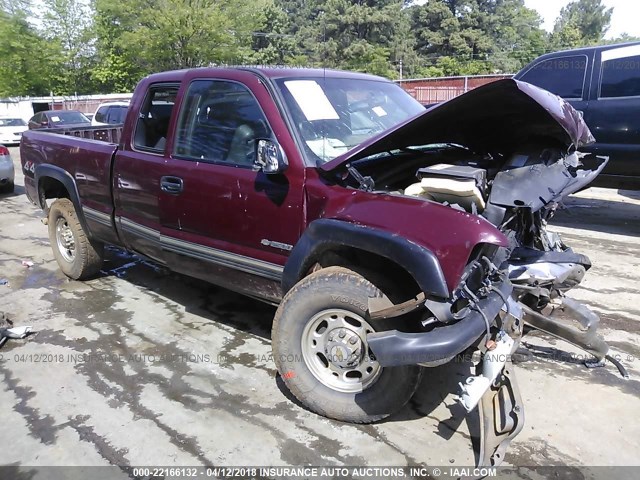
(434, 146)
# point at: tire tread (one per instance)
(89, 255)
(309, 398)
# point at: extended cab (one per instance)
(604, 84)
(391, 237)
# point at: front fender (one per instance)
(325, 234)
(451, 235)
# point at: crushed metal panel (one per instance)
(538, 184)
(501, 418)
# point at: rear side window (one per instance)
(620, 77)
(220, 122)
(116, 114)
(563, 76)
(101, 115)
(153, 121)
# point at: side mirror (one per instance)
(269, 157)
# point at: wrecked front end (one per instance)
(482, 316)
(508, 153)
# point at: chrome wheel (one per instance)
(334, 347)
(64, 239)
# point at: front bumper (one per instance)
(393, 348)
(10, 138)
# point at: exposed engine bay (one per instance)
(519, 195)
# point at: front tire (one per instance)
(78, 257)
(319, 345)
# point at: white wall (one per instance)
(21, 109)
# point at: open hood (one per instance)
(496, 118)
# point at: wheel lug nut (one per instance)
(342, 333)
(353, 340)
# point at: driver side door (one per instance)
(225, 221)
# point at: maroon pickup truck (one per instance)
(392, 238)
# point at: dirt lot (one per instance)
(143, 367)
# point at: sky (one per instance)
(625, 18)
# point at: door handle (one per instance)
(172, 185)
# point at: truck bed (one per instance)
(103, 133)
(80, 156)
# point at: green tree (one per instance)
(195, 33)
(350, 34)
(145, 36)
(117, 67)
(67, 25)
(516, 34)
(623, 38)
(581, 22)
(460, 37)
(25, 57)
(566, 37)
(403, 47)
(273, 44)
(438, 30)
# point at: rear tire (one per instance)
(78, 257)
(319, 345)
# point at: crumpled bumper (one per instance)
(393, 348)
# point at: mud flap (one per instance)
(501, 417)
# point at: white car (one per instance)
(11, 129)
(7, 173)
(110, 113)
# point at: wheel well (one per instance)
(51, 188)
(387, 275)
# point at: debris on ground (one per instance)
(15, 332)
(7, 330)
(4, 281)
(27, 263)
(4, 321)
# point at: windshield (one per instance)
(12, 122)
(333, 115)
(62, 118)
